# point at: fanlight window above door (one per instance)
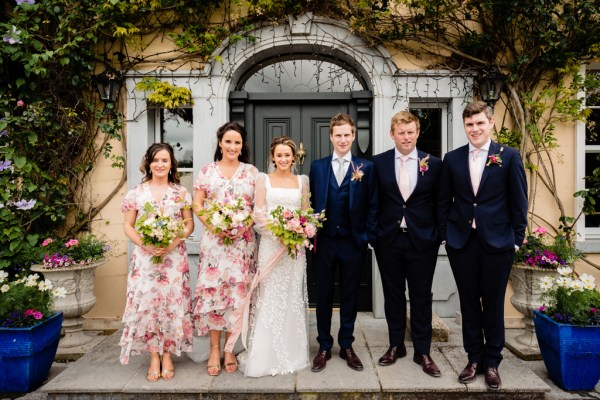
(301, 75)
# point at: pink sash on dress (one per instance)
(239, 318)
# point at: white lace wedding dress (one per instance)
(278, 333)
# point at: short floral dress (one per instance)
(158, 310)
(224, 271)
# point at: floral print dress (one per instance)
(224, 271)
(158, 310)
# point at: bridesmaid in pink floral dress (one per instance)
(158, 310)
(224, 270)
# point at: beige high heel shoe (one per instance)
(214, 370)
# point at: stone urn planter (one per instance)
(526, 298)
(79, 284)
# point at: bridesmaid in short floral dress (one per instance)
(158, 310)
(224, 270)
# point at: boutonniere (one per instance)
(495, 159)
(424, 165)
(357, 174)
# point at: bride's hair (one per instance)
(284, 140)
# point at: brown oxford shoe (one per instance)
(492, 378)
(351, 359)
(320, 361)
(470, 372)
(392, 354)
(428, 365)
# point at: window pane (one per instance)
(303, 75)
(430, 138)
(176, 129)
(591, 162)
(592, 128)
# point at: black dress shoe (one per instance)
(468, 374)
(428, 365)
(392, 354)
(320, 361)
(492, 378)
(351, 359)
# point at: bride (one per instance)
(278, 329)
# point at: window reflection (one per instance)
(294, 76)
(176, 129)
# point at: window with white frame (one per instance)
(175, 126)
(592, 148)
(433, 119)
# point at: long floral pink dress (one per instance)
(158, 311)
(224, 271)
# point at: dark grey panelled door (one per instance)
(306, 121)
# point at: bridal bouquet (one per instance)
(227, 216)
(158, 229)
(294, 228)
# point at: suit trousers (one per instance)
(400, 263)
(341, 253)
(481, 278)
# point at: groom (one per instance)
(345, 187)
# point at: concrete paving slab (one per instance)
(236, 382)
(190, 377)
(524, 352)
(338, 377)
(406, 376)
(516, 376)
(99, 371)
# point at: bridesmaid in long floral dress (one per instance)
(224, 270)
(158, 311)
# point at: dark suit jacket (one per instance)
(419, 210)
(499, 209)
(363, 196)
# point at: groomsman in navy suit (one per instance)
(344, 186)
(407, 239)
(483, 215)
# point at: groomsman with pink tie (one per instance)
(407, 239)
(482, 208)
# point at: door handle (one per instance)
(300, 154)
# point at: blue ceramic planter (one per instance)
(571, 353)
(26, 354)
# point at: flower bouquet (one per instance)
(570, 299)
(227, 216)
(158, 229)
(26, 301)
(294, 228)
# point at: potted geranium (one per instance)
(72, 263)
(568, 329)
(29, 331)
(539, 255)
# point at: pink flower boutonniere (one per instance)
(357, 174)
(424, 165)
(495, 159)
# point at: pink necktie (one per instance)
(404, 180)
(474, 169)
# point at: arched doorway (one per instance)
(296, 95)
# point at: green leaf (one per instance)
(20, 161)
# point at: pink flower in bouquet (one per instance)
(310, 230)
(287, 214)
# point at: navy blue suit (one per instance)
(481, 258)
(407, 255)
(351, 212)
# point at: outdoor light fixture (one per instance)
(108, 84)
(490, 87)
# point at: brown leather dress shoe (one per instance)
(320, 361)
(492, 378)
(392, 354)
(468, 374)
(428, 365)
(351, 359)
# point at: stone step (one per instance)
(99, 375)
